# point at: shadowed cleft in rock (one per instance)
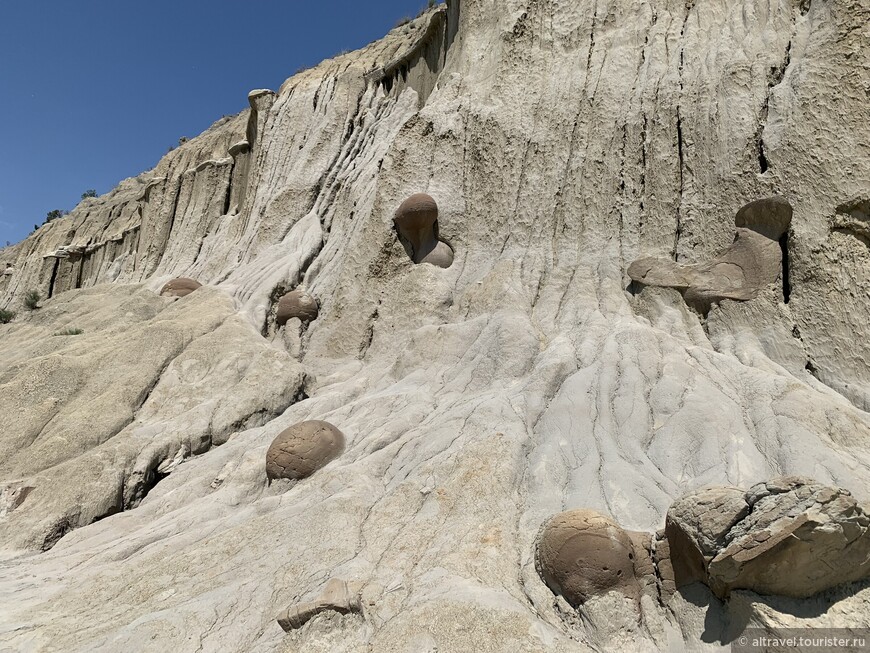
(298, 304)
(581, 554)
(416, 221)
(180, 287)
(751, 263)
(302, 449)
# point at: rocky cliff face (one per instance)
(562, 141)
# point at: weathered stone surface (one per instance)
(335, 597)
(302, 449)
(180, 287)
(296, 303)
(416, 220)
(790, 536)
(580, 554)
(93, 422)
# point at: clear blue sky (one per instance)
(94, 91)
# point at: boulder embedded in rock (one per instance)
(296, 303)
(336, 596)
(751, 262)
(790, 536)
(180, 287)
(416, 221)
(302, 449)
(581, 554)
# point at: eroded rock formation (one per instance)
(751, 263)
(180, 287)
(296, 304)
(335, 597)
(562, 141)
(789, 536)
(302, 449)
(416, 221)
(581, 553)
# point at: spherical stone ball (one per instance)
(296, 303)
(180, 287)
(581, 554)
(770, 216)
(416, 213)
(302, 449)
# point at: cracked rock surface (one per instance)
(789, 536)
(562, 141)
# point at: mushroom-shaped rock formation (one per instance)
(753, 261)
(416, 221)
(789, 536)
(581, 554)
(72, 252)
(296, 303)
(180, 287)
(302, 449)
(336, 596)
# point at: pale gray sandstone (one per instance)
(562, 141)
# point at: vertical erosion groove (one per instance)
(53, 278)
(786, 281)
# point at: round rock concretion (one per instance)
(296, 303)
(770, 216)
(416, 213)
(180, 287)
(581, 554)
(302, 449)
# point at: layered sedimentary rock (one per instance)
(562, 141)
(335, 597)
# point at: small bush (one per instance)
(431, 4)
(69, 332)
(31, 299)
(402, 21)
(54, 215)
(183, 140)
(6, 316)
(90, 192)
